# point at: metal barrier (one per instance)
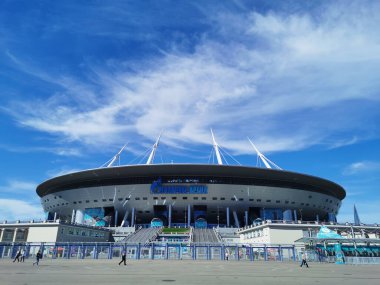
(174, 251)
(356, 260)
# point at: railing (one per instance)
(109, 250)
(217, 234)
(300, 222)
(356, 260)
(53, 222)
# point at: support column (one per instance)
(170, 216)
(133, 218)
(331, 217)
(125, 218)
(287, 215)
(96, 251)
(246, 218)
(55, 216)
(265, 253)
(236, 219)
(116, 214)
(188, 216)
(317, 218)
(14, 235)
(228, 216)
(152, 251)
(1, 235)
(138, 251)
(73, 216)
(295, 215)
(79, 217)
(110, 251)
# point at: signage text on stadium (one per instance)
(158, 188)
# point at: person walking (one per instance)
(38, 257)
(123, 257)
(23, 255)
(304, 261)
(18, 255)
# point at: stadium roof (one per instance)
(221, 174)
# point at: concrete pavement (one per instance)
(182, 272)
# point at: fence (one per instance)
(357, 260)
(161, 251)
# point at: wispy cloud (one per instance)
(18, 201)
(362, 167)
(341, 142)
(61, 171)
(13, 209)
(61, 151)
(276, 70)
(19, 187)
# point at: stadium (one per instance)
(190, 195)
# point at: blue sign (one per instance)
(158, 188)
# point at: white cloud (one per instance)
(281, 79)
(362, 167)
(62, 171)
(13, 209)
(19, 187)
(61, 151)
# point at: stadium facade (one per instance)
(199, 195)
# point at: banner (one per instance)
(338, 254)
(326, 233)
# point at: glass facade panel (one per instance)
(160, 252)
(201, 252)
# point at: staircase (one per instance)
(143, 236)
(204, 236)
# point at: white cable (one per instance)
(231, 156)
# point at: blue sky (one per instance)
(78, 79)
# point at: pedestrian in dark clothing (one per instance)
(304, 261)
(123, 258)
(38, 257)
(23, 255)
(18, 255)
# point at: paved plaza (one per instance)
(182, 272)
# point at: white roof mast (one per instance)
(153, 152)
(216, 148)
(116, 157)
(263, 158)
